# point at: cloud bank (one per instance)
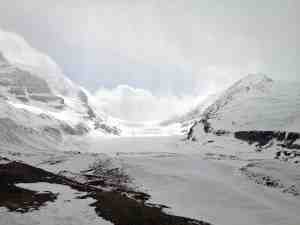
(124, 102)
(179, 48)
(134, 104)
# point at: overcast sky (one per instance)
(169, 47)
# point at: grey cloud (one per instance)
(182, 47)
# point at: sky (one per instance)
(175, 49)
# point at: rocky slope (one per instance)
(256, 103)
(40, 107)
(257, 110)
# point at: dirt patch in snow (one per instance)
(21, 200)
(119, 206)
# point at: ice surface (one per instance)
(203, 180)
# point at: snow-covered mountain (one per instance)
(185, 121)
(19, 53)
(39, 104)
(255, 102)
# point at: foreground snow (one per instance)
(205, 181)
(219, 179)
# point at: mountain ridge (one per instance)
(36, 97)
(254, 109)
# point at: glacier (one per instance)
(96, 169)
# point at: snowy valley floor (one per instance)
(222, 181)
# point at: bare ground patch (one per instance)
(119, 206)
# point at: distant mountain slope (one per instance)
(256, 102)
(15, 50)
(40, 107)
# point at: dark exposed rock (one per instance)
(22, 200)
(122, 210)
(286, 155)
(221, 132)
(191, 131)
(292, 190)
(85, 100)
(207, 128)
(262, 138)
(109, 129)
(118, 206)
(79, 129)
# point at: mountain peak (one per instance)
(254, 79)
(16, 52)
(252, 82)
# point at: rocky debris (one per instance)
(260, 137)
(109, 129)
(268, 180)
(221, 132)
(292, 190)
(103, 170)
(119, 206)
(85, 100)
(91, 115)
(287, 155)
(191, 132)
(207, 128)
(265, 138)
(78, 129)
(26, 88)
(261, 178)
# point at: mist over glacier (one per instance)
(136, 104)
